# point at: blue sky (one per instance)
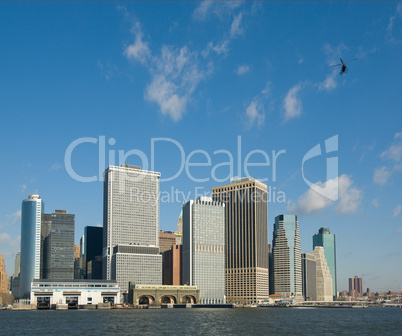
(209, 76)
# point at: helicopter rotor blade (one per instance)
(331, 66)
(353, 59)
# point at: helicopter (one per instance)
(344, 68)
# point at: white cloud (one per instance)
(397, 210)
(255, 113)
(175, 74)
(139, 50)
(219, 8)
(329, 83)
(56, 166)
(235, 28)
(292, 103)
(394, 152)
(375, 202)
(15, 217)
(381, 175)
(4, 237)
(348, 202)
(393, 21)
(242, 70)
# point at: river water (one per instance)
(239, 321)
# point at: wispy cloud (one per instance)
(242, 70)
(15, 217)
(394, 154)
(394, 20)
(349, 199)
(175, 74)
(397, 210)
(381, 175)
(292, 103)
(139, 50)
(330, 82)
(221, 9)
(255, 112)
(56, 166)
(375, 202)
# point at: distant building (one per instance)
(287, 257)
(77, 261)
(83, 263)
(15, 287)
(271, 270)
(309, 275)
(93, 246)
(204, 248)
(173, 266)
(58, 245)
(17, 265)
(323, 278)
(326, 239)
(166, 240)
(246, 237)
(31, 247)
(356, 286)
(179, 233)
(131, 226)
(4, 288)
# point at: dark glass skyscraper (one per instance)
(326, 239)
(58, 245)
(287, 256)
(93, 246)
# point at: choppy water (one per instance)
(246, 321)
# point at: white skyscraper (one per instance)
(31, 253)
(204, 248)
(131, 226)
(323, 279)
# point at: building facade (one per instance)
(326, 239)
(166, 240)
(31, 247)
(204, 248)
(58, 245)
(131, 219)
(323, 276)
(246, 237)
(173, 266)
(48, 293)
(286, 253)
(309, 275)
(4, 288)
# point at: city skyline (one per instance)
(213, 77)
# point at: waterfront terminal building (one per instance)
(46, 294)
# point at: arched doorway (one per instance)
(145, 300)
(188, 299)
(167, 299)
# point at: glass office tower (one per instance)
(326, 239)
(287, 256)
(31, 254)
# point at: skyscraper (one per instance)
(356, 286)
(58, 245)
(309, 275)
(17, 265)
(246, 236)
(31, 211)
(3, 276)
(287, 256)
(93, 246)
(326, 239)
(204, 248)
(323, 276)
(173, 266)
(131, 226)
